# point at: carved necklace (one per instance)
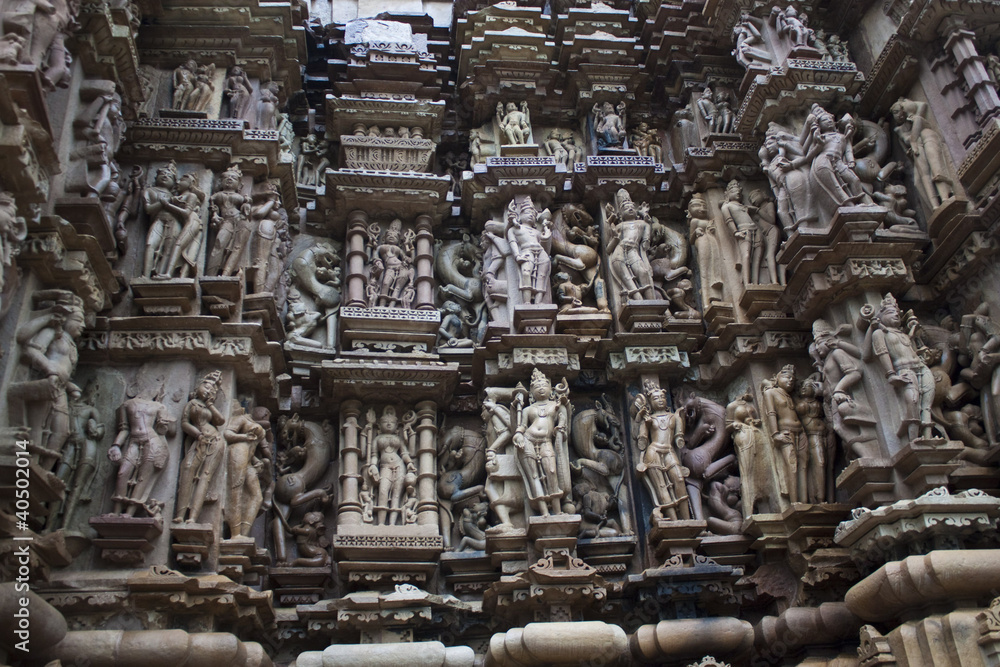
(662, 421)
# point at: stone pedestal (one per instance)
(176, 296)
(535, 318)
(125, 540)
(926, 463)
(297, 585)
(192, 543)
(670, 539)
(242, 561)
(222, 295)
(868, 481)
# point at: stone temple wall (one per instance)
(424, 333)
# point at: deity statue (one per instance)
(166, 219)
(830, 154)
(184, 255)
(390, 283)
(705, 238)
(895, 351)
(786, 431)
(530, 247)
(750, 48)
(744, 228)
(627, 249)
(790, 182)
(820, 454)
(140, 450)
(204, 448)
(609, 124)
(769, 238)
(660, 436)
(48, 347)
(390, 465)
(514, 123)
(249, 454)
(232, 225)
(541, 430)
(925, 146)
(840, 364)
(240, 93)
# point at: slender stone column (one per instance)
(427, 505)
(357, 234)
(349, 513)
(425, 264)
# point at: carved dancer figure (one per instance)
(705, 239)
(48, 347)
(659, 437)
(925, 146)
(541, 429)
(830, 153)
(80, 458)
(530, 247)
(391, 467)
(627, 248)
(786, 431)
(514, 123)
(204, 448)
(240, 93)
(231, 222)
(392, 266)
(897, 354)
(140, 450)
(269, 222)
(245, 438)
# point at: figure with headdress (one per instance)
(628, 247)
(896, 352)
(705, 238)
(659, 437)
(392, 265)
(541, 429)
(390, 466)
(749, 43)
(609, 124)
(140, 450)
(204, 448)
(530, 247)
(166, 219)
(184, 255)
(514, 123)
(248, 455)
(233, 228)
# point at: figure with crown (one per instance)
(167, 216)
(202, 422)
(530, 246)
(659, 436)
(628, 248)
(541, 432)
(390, 467)
(392, 266)
(232, 224)
(895, 350)
(782, 423)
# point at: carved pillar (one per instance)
(425, 264)
(969, 64)
(349, 513)
(357, 229)
(427, 508)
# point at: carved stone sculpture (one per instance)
(684, 134)
(982, 341)
(893, 348)
(48, 347)
(609, 124)
(99, 129)
(390, 282)
(574, 246)
(786, 431)
(723, 502)
(126, 204)
(184, 79)
(820, 453)
(13, 231)
(204, 448)
(457, 265)
(646, 142)
(744, 228)
(541, 429)
(505, 497)
(659, 436)
(233, 227)
(461, 463)
(312, 161)
(925, 147)
(724, 116)
(140, 450)
(248, 455)
(35, 32)
(781, 159)
(627, 249)
(707, 109)
(553, 146)
(530, 247)
(769, 238)
(391, 470)
(166, 219)
(315, 272)
(301, 463)
(596, 440)
(79, 462)
(183, 261)
(840, 364)
(750, 48)
(240, 93)
(830, 155)
(762, 478)
(453, 332)
(312, 542)
(705, 439)
(193, 86)
(514, 123)
(267, 107)
(791, 26)
(472, 526)
(704, 237)
(270, 227)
